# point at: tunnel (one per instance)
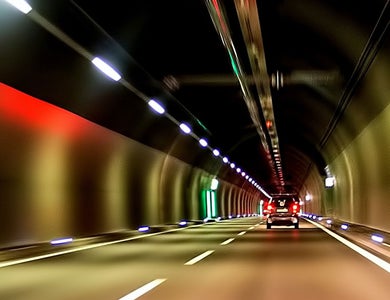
(151, 114)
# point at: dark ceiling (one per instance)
(174, 51)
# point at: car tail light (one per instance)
(295, 207)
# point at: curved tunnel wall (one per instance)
(358, 154)
(62, 175)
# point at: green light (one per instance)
(235, 68)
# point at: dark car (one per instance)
(283, 210)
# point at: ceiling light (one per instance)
(106, 69)
(22, 5)
(185, 128)
(216, 152)
(225, 160)
(156, 106)
(203, 142)
(232, 165)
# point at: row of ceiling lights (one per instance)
(247, 13)
(24, 7)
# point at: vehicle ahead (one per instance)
(283, 210)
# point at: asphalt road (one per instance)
(236, 259)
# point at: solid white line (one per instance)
(384, 244)
(198, 258)
(242, 232)
(87, 247)
(250, 228)
(143, 289)
(227, 241)
(376, 260)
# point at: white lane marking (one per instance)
(87, 247)
(143, 289)
(376, 260)
(384, 244)
(227, 241)
(242, 232)
(250, 228)
(198, 258)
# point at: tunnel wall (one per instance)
(62, 175)
(362, 174)
(358, 153)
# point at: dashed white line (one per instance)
(198, 258)
(384, 244)
(242, 232)
(227, 241)
(143, 289)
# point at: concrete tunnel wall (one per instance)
(62, 175)
(358, 155)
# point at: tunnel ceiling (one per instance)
(175, 51)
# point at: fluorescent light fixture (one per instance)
(243, 174)
(22, 5)
(225, 160)
(216, 152)
(232, 165)
(185, 128)
(106, 69)
(156, 106)
(238, 170)
(203, 142)
(61, 241)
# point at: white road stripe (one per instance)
(250, 228)
(242, 232)
(227, 241)
(384, 244)
(376, 260)
(143, 289)
(87, 247)
(198, 258)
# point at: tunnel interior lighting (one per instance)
(143, 229)
(377, 238)
(157, 107)
(214, 184)
(225, 160)
(21, 5)
(216, 152)
(185, 128)
(329, 182)
(344, 227)
(329, 222)
(183, 223)
(232, 165)
(106, 68)
(61, 241)
(203, 142)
